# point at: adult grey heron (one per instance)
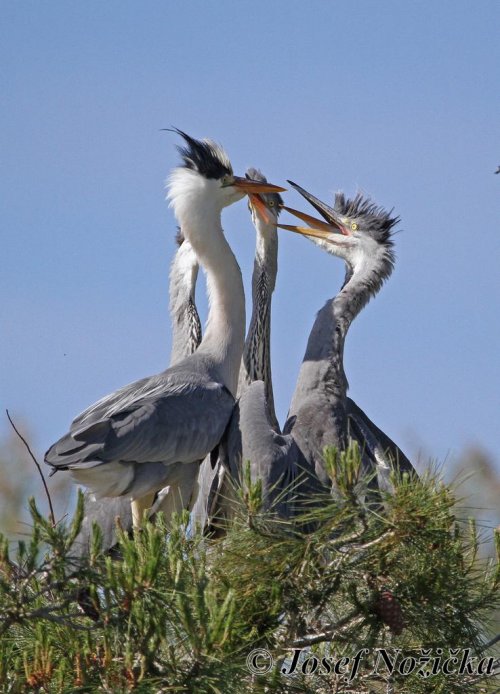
(186, 337)
(137, 440)
(321, 414)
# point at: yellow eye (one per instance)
(271, 203)
(354, 226)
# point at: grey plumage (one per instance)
(254, 413)
(186, 337)
(145, 427)
(320, 413)
(253, 433)
(374, 444)
(186, 324)
(132, 441)
(326, 416)
(256, 360)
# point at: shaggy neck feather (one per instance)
(322, 369)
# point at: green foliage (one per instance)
(179, 612)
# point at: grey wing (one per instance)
(110, 403)
(380, 448)
(180, 425)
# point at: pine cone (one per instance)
(389, 610)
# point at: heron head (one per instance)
(206, 169)
(264, 207)
(357, 230)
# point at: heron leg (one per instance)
(182, 492)
(139, 506)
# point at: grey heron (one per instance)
(321, 414)
(215, 491)
(138, 439)
(256, 360)
(186, 337)
(253, 433)
(186, 324)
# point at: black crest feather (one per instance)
(204, 156)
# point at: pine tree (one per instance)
(180, 612)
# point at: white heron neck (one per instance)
(225, 329)
(199, 214)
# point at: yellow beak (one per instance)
(257, 202)
(247, 185)
(317, 228)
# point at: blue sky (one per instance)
(398, 99)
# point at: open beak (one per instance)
(308, 231)
(317, 228)
(247, 185)
(257, 202)
(325, 211)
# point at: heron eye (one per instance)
(225, 180)
(354, 226)
(271, 203)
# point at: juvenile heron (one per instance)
(321, 414)
(138, 439)
(256, 360)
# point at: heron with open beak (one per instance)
(321, 414)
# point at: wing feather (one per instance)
(182, 424)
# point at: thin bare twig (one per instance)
(52, 516)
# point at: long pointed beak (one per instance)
(312, 221)
(325, 211)
(308, 231)
(256, 201)
(317, 228)
(247, 185)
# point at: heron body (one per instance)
(135, 441)
(186, 336)
(321, 414)
(253, 434)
